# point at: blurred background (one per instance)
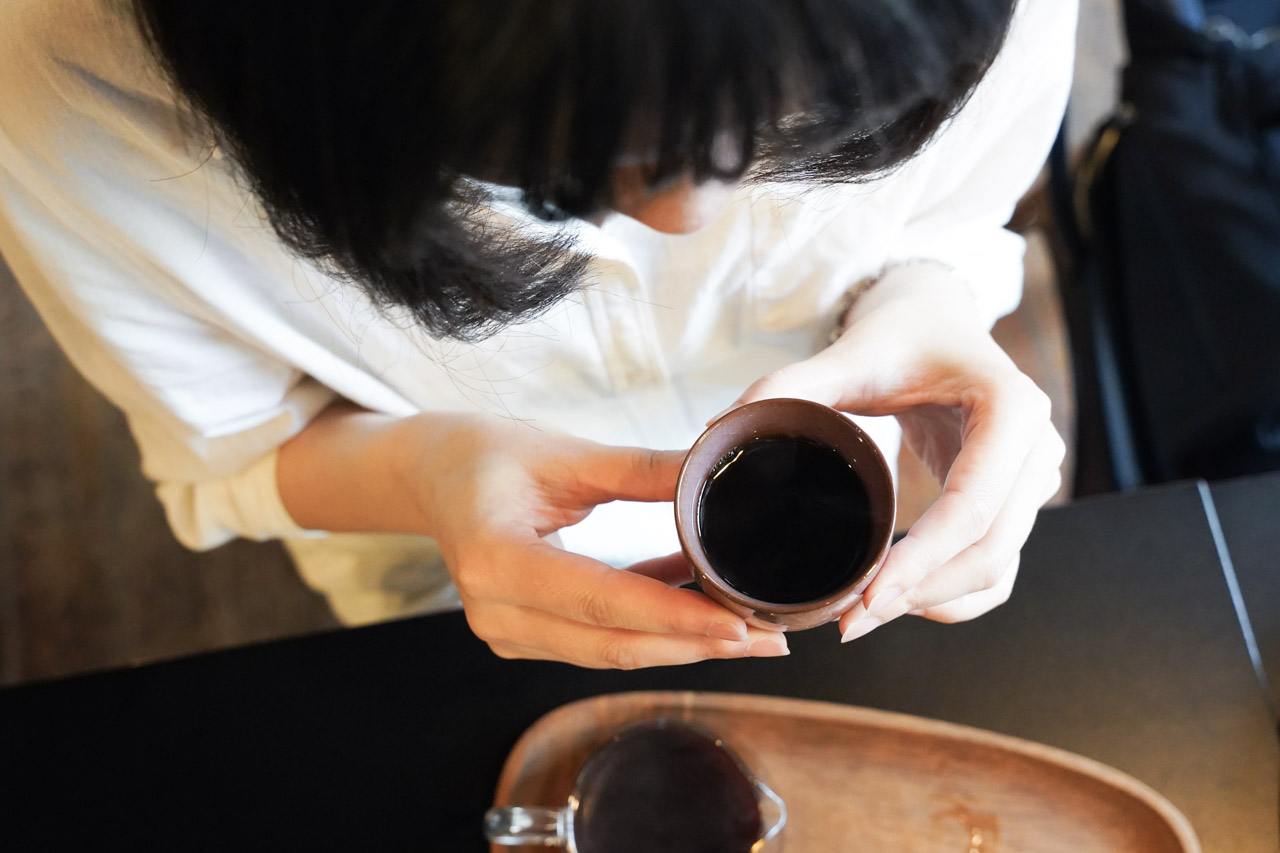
(90, 576)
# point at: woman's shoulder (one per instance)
(1024, 92)
(1041, 37)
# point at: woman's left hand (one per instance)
(915, 348)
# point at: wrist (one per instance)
(926, 285)
(345, 473)
(427, 457)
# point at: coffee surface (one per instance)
(664, 786)
(785, 520)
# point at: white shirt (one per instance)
(157, 274)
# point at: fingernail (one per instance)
(769, 647)
(861, 628)
(735, 631)
(883, 599)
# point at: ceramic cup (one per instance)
(787, 418)
(656, 785)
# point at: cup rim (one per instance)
(870, 460)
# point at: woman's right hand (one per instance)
(492, 493)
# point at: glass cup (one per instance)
(657, 785)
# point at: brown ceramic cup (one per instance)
(795, 418)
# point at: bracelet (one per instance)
(845, 305)
(862, 285)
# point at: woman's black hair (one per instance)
(361, 125)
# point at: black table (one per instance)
(1248, 514)
(1122, 642)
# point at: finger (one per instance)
(613, 648)
(1004, 429)
(673, 569)
(981, 575)
(813, 379)
(629, 474)
(583, 590)
(982, 566)
(853, 375)
(974, 604)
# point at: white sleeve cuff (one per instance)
(248, 504)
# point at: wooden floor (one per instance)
(90, 576)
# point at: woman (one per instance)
(396, 282)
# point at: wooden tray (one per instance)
(857, 779)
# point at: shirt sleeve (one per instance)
(90, 227)
(207, 411)
(973, 174)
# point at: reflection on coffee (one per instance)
(664, 786)
(785, 520)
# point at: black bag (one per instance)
(1177, 205)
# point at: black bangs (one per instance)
(360, 125)
(823, 91)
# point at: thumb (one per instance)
(820, 379)
(631, 474)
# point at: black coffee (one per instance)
(785, 520)
(665, 787)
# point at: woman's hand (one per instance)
(915, 348)
(492, 493)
